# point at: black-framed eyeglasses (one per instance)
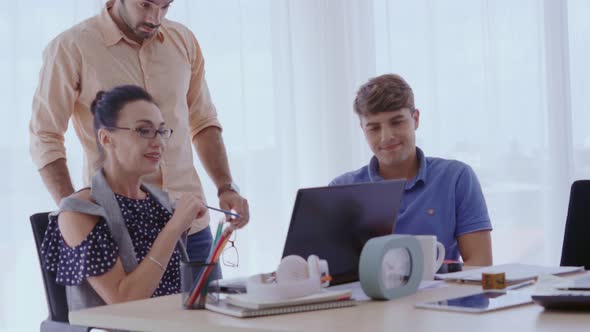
(229, 255)
(146, 132)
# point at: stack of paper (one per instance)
(240, 305)
(515, 273)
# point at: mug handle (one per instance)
(440, 248)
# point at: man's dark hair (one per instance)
(384, 93)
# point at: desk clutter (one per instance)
(550, 291)
(297, 285)
(294, 278)
(241, 305)
(389, 267)
(555, 293)
(514, 273)
(196, 278)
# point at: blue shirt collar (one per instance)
(420, 177)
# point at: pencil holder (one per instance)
(190, 273)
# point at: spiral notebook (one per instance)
(325, 295)
(223, 307)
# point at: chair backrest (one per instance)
(576, 239)
(54, 293)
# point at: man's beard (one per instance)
(136, 30)
(143, 34)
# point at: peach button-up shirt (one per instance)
(95, 55)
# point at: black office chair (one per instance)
(576, 239)
(55, 294)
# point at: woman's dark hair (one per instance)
(107, 105)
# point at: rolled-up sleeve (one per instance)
(53, 102)
(202, 112)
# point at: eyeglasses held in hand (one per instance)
(150, 133)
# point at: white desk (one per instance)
(165, 314)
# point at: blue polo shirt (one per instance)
(444, 199)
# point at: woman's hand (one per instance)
(189, 207)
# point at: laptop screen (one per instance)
(336, 222)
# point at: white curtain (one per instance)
(492, 79)
(501, 86)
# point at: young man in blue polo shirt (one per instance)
(442, 197)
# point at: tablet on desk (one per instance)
(481, 302)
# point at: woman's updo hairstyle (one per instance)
(107, 104)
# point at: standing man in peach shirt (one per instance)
(131, 42)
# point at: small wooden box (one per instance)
(493, 280)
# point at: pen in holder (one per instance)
(191, 271)
(198, 291)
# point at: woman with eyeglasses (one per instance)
(121, 240)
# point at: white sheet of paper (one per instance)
(514, 272)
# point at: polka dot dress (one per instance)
(98, 253)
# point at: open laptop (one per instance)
(336, 222)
